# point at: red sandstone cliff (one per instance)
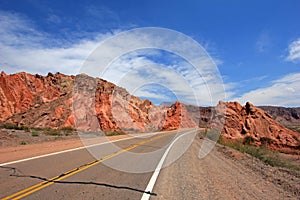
(82, 102)
(93, 104)
(248, 120)
(178, 118)
(34, 100)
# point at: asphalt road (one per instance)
(130, 169)
(119, 170)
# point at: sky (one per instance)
(254, 46)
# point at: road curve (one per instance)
(107, 172)
(88, 173)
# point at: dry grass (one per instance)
(246, 145)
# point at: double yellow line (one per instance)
(25, 192)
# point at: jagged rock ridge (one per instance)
(248, 120)
(81, 102)
(93, 104)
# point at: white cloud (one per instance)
(283, 92)
(294, 51)
(197, 81)
(24, 48)
(134, 71)
(151, 95)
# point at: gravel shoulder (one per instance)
(225, 174)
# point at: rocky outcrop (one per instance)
(178, 118)
(242, 121)
(101, 105)
(93, 104)
(81, 102)
(35, 100)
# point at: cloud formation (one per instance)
(282, 92)
(24, 48)
(294, 51)
(139, 57)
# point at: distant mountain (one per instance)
(285, 116)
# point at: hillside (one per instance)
(253, 122)
(93, 104)
(81, 102)
(289, 117)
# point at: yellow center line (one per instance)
(27, 191)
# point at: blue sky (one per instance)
(255, 44)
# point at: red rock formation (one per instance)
(81, 102)
(248, 120)
(101, 105)
(93, 104)
(178, 118)
(22, 92)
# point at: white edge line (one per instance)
(155, 174)
(75, 149)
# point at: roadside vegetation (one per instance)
(64, 131)
(15, 127)
(23, 143)
(35, 132)
(113, 133)
(247, 145)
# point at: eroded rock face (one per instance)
(248, 120)
(101, 105)
(26, 97)
(93, 104)
(178, 118)
(81, 102)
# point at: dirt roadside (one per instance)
(12, 149)
(225, 174)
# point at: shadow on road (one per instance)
(75, 182)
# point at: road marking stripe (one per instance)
(155, 174)
(27, 191)
(75, 149)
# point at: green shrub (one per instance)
(25, 128)
(34, 134)
(112, 133)
(10, 126)
(266, 141)
(67, 129)
(52, 132)
(248, 140)
(23, 143)
(267, 156)
(15, 127)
